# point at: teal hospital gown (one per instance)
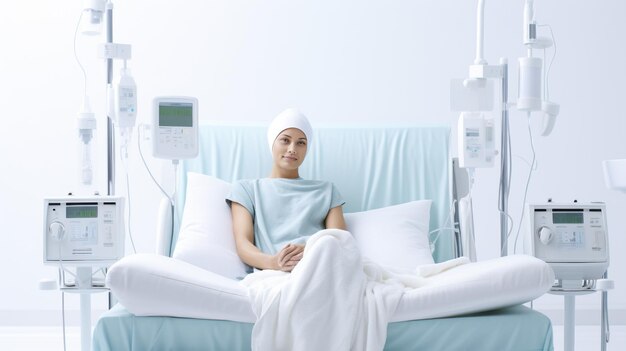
(285, 210)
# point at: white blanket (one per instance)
(332, 300)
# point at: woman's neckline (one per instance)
(281, 178)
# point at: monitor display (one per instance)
(81, 212)
(173, 114)
(567, 218)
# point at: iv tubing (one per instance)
(530, 173)
(76, 55)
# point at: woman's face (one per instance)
(289, 149)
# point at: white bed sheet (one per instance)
(153, 285)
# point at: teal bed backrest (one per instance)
(372, 167)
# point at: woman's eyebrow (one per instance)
(289, 136)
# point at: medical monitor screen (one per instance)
(567, 218)
(174, 114)
(81, 212)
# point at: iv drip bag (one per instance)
(529, 95)
(86, 124)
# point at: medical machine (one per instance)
(83, 231)
(533, 92)
(175, 128)
(87, 125)
(122, 94)
(533, 87)
(125, 100)
(476, 140)
(572, 238)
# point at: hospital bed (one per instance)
(374, 167)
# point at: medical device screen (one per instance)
(572, 238)
(175, 115)
(87, 230)
(176, 130)
(81, 211)
(567, 218)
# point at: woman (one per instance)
(329, 300)
(273, 217)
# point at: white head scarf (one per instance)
(290, 118)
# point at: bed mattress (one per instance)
(513, 328)
(153, 285)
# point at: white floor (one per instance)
(588, 338)
(48, 338)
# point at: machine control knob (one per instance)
(57, 230)
(545, 235)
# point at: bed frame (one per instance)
(373, 167)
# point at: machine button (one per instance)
(545, 235)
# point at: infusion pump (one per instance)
(571, 238)
(83, 230)
(175, 131)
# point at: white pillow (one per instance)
(206, 232)
(395, 237)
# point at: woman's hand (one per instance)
(289, 257)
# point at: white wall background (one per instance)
(349, 61)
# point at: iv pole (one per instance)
(505, 162)
(480, 71)
(110, 130)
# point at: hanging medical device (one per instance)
(93, 13)
(86, 124)
(90, 22)
(83, 231)
(476, 140)
(533, 92)
(125, 100)
(532, 96)
(175, 127)
(476, 132)
(122, 95)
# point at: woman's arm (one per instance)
(243, 229)
(334, 219)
